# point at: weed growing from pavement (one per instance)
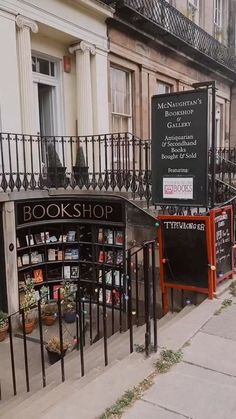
(167, 359)
(141, 348)
(162, 365)
(226, 303)
(232, 288)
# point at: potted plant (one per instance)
(28, 304)
(49, 307)
(55, 171)
(3, 325)
(69, 306)
(53, 348)
(80, 170)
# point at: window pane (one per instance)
(120, 91)
(34, 64)
(43, 66)
(162, 88)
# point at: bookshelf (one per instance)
(51, 253)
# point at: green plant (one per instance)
(167, 359)
(54, 345)
(29, 299)
(80, 159)
(3, 320)
(68, 297)
(49, 309)
(53, 158)
(141, 348)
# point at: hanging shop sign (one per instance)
(185, 253)
(180, 148)
(222, 223)
(69, 209)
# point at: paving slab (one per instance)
(223, 324)
(195, 392)
(212, 352)
(144, 409)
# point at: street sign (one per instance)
(180, 148)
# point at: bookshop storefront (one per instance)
(50, 241)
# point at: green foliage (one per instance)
(226, 303)
(129, 397)
(53, 158)
(29, 299)
(141, 348)
(3, 319)
(80, 159)
(167, 359)
(68, 297)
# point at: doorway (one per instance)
(46, 110)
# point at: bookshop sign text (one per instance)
(180, 148)
(37, 211)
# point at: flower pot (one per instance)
(56, 177)
(81, 175)
(29, 326)
(49, 320)
(69, 316)
(3, 333)
(54, 357)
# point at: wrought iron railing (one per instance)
(133, 302)
(157, 17)
(112, 162)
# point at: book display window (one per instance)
(54, 250)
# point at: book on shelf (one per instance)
(25, 259)
(108, 278)
(21, 285)
(38, 238)
(108, 236)
(102, 257)
(52, 239)
(74, 254)
(66, 272)
(118, 278)
(68, 254)
(64, 238)
(100, 235)
(36, 257)
(119, 238)
(27, 277)
(110, 257)
(17, 242)
(38, 276)
(71, 236)
(108, 296)
(119, 257)
(19, 262)
(29, 239)
(51, 254)
(60, 255)
(74, 272)
(55, 292)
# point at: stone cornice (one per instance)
(22, 21)
(83, 46)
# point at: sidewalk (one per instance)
(203, 385)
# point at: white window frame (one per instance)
(128, 115)
(193, 7)
(218, 19)
(167, 87)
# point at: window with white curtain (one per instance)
(193, 10)
(121, 107)
(218, 19)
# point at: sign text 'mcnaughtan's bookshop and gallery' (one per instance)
(180, 148)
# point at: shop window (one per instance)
(121, 109)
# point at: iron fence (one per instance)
(157, 17)
(96, 319)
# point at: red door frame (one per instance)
(165, 285)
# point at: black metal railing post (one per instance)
(154, 296)
(104, 307)
(13, 370)
(25, 351)
(147, 298)
(129, 289)
(41, 343)
(81, 334)
(61, 336)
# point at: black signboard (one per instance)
(223, 238)
(69, 209)
(180, 148)
(184, 251)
